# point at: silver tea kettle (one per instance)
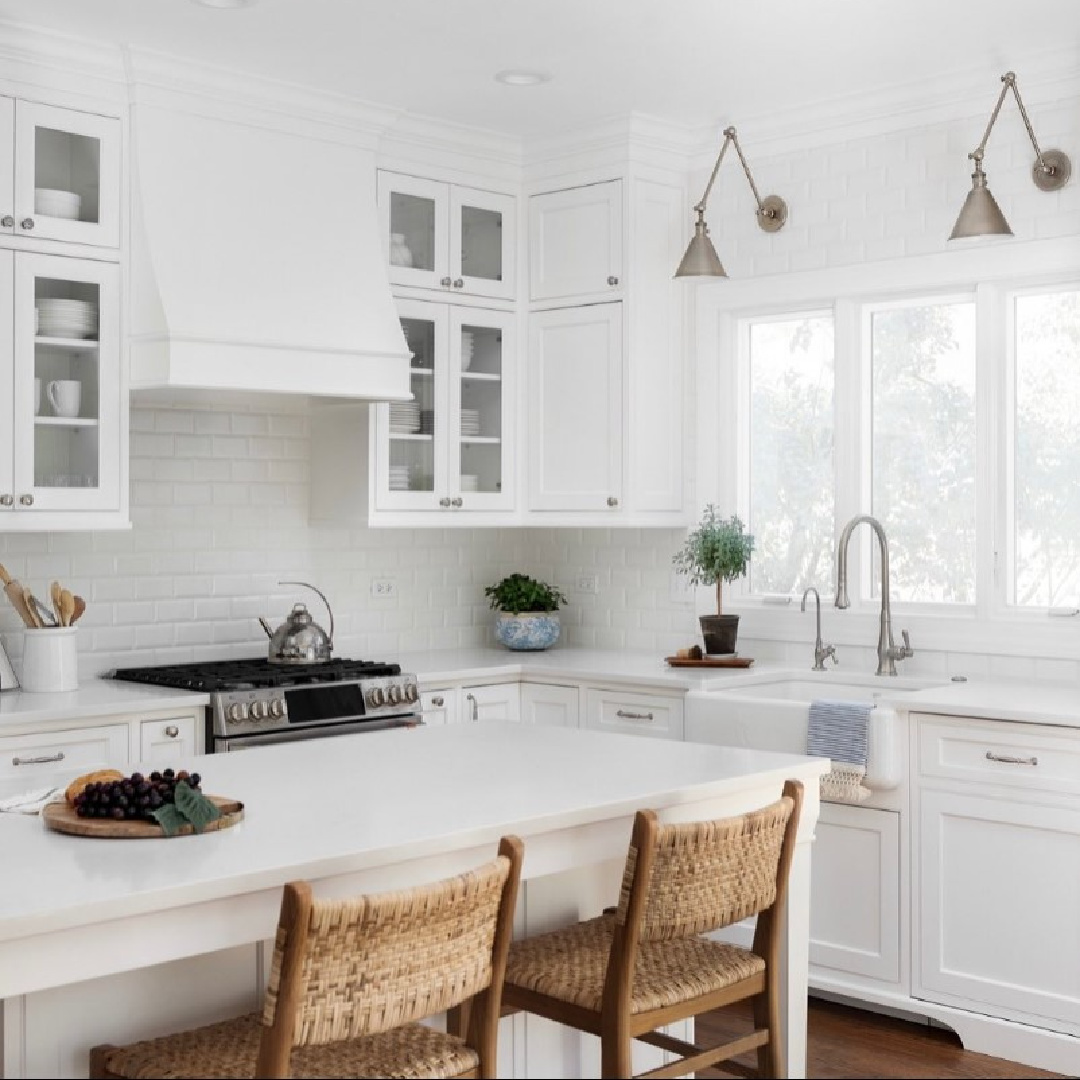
(300, 639)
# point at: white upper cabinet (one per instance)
(64, 170)
(576, 243)
(448, 237)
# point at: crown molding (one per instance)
(460, 147)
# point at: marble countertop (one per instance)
(95, 699)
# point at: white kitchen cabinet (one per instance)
(61, 442)
(499, 702)
(451, 448)
(575, 418)
(60, 173)
(51, 758)
(656, 716)
(448, 237)
(439, 706)
(170, 742)
(855, 892)
(576, 243)
(555, 706)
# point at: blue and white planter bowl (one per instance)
(534, 630)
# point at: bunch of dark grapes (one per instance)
(135, 798)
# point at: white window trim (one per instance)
(993, 273)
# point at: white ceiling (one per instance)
(691, 61)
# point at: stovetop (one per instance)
(254, 674)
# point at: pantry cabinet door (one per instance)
(7, 384)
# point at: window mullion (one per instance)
(852, 446)
(992, 440)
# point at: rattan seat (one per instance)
(348, 983)
(646, 963)
(571, 964)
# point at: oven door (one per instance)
(321, 731)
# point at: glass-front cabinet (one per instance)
(448, 237)
(60, 174)
(60, 360)
(448, 449)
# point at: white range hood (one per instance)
(256, 262)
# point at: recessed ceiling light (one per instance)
(520, 77)
(225, 3)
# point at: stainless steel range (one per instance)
(256, 703)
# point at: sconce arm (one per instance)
(1008, 82)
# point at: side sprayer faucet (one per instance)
(821, 650)
(888, 653)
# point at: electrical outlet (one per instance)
(383, 588)
(587, 583)
(680, 591)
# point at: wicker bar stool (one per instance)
(645, 963)
(349, 981)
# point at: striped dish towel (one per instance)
(839, 730)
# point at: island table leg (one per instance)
(795, 961)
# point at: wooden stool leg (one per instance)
(615, 1052)
(767, 1015)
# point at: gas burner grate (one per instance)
(254, 674)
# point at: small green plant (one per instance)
(519, 593)
(716, 551)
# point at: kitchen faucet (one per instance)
(821, 650)
(888, 653)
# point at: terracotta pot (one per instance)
(720, 632)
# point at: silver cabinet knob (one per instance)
(26, 500)
(459, 283)
(612, 501)
(456, 502)
(7, 221)
(445, 282)
(27, 223)
(612, 279)
(172, 731)
(6, 500)
(445, 501)
(438, 701)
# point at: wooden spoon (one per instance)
(67, 607)
(54, 595)
(28, 603)
(14, 592)
(80, 607)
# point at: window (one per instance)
(922, 374)
(791, 506)
(1045, 540)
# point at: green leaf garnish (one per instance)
(194, 806)
(169, 818)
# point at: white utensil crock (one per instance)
(50, 661)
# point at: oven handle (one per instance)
(300, 734)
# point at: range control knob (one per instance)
(277, 708)
(376, 697)
(238, 711)
(393, 692)
(259, 710)
(412, 695)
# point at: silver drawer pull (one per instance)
(1006, 760)
(172, 731)
(45, 759)
(624, 715)
(438, 702)
(475, 706)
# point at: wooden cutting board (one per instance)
(709, 661)
(62, 818)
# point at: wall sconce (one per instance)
(980, 214)
(701, 259)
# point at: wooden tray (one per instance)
(62, 817)
(709, 661)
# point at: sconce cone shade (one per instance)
(701, 259)
(980, 214)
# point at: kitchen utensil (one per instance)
(67, 608)
(28, 603)
(14, 592)
(65, 396)
(54, 596)
(45, 617)
(300, 639)
(64, 819)
(50, 662)
(79, 608)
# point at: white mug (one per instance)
(65, 396)
(37, 397)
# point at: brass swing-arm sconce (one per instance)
(701, 259)
(980, 214)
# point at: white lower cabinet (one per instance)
(499, 702)
(439, 707)
(49, 758)
(627, 713)
(554, 706)
(855, 892)
(169, 742)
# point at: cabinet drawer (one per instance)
(498, 702)
(438, 706)
(1009, 754)
(169, 741)
(29, 761)
(635, 714)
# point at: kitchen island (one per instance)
(109, 940)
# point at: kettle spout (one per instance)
(266, 626)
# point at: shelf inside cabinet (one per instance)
(404, 436)
(65, 421)
(429, 372)
(490, 440)
(77, 344)
(480, 376)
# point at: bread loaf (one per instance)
(101, 776)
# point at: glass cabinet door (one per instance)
(7, 382)
(480, 400)
(415, 230)
(482, 242)
(412, 434)
(66, 387)
(67, 175)
(7, 171)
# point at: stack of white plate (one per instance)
(404, 417)
(470, 482)
(399, 477)
(61, 317)
(52, 202)
(470, 423)
(467, 343)
(427, 421)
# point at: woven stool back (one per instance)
(376, 962)
(709, 874)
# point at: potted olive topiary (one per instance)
(528, 612)
(716, 551)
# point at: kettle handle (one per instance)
(323, 599)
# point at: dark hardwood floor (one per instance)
(845, 1043)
